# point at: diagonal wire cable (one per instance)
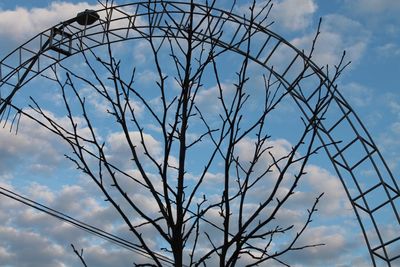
(84, 226)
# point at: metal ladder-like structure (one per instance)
(369, 184)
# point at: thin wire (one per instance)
(81, 225)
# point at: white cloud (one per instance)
(34, 148)
(208, 100)
(279, 148)
(120, 153)
(32, 238)
(338, 34)
(338, 248)
(293, 15)
(22, 23)
(25, 254)
(141, 52)
(41, 192)
(335, 201)
(148, 77)
(95, 101)
(31, 146)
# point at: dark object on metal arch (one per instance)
(87, 17)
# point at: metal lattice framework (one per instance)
(375, 196)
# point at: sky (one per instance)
(33, 163)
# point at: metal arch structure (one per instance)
(375, 197)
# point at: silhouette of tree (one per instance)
(200, 171)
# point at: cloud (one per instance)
(20, 24)
(293, 15)
(32, 238)
(102, 256)
(33, 146)
(35, 149)
(279, 148)
(48, 255)
(119, 151)
(141, 52)
(335, 201)
(338, 34)
(338, 248)
(102, 106)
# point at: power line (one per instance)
(84, 226)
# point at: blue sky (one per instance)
(368, 31)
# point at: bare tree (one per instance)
(197, 141)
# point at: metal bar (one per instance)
(391, 188)
(364, 209)
(273, 51)
(290, 65)
(387, 243)
(317, 90)
(383, 258)
(339, 121)
(263, 46)
(60, 51)
(235, 34)
(345, 147)
(373, 162)
(219, 19)
(384, 204)
(363, 159)
(394, 258)
(7, 100)
(366, 192)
